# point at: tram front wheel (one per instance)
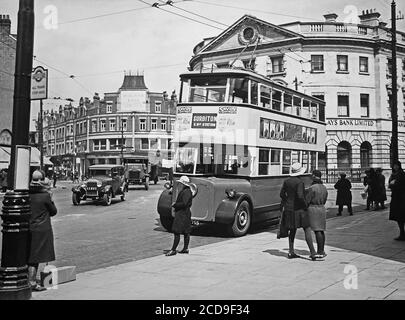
(242, 220)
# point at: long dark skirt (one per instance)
(41, 247)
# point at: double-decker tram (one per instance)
(237, 134)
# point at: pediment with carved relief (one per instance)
(247, 31)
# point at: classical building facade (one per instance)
(8, 44)
(347, 65)
(132, 123)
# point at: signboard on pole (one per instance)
(22, 167)
(39, 83)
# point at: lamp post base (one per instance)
(14, 283)
(23, 293)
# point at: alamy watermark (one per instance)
(350, 282)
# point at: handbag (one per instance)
(282, 229)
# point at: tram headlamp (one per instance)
(230, 193)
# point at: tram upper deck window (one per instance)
(265, 93)
(254, 92)
(204, 90)
(238, 90)
(297, 105)
(314, 111)
(305, 112)
(288, 103)
(276, 100)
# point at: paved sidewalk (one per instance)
(256, 267)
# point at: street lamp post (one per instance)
(394, 100)
(16, 209)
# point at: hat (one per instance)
(37, 175)
(184, 180)
(297, 169)
(317, 173)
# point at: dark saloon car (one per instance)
(105, 182)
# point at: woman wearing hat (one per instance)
(294, 214)
(182, 216)
(397, 206)
(316, 197)
(344, 194)
(40, 231)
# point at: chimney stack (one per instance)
(370, 18)
(5, 24)
(330, 17)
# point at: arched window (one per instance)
(344, 155)
(365, 154)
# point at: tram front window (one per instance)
(204, 90)
(198, 160)
(185, 160)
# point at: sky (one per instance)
(97, 40)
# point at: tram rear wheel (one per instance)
(242, 221)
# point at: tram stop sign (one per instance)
(39, 83)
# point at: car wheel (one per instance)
(75, 199)
(242, 221)
(107, 198)
(167, 222)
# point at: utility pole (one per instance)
(41, 135)
(122, 143)
(394, 100)
(16, 211)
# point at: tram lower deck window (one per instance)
(263, 161)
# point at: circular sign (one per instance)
(39, 74)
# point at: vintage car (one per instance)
(105, 182)
(136, 174)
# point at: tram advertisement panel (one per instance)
(245, 125)
(223, 119)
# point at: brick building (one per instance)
(132, 123)
(8, 44)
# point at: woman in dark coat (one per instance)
(294, 214)
(381, 193)
(41, 235)
(397, 206)
(182, 216)
(344, 195)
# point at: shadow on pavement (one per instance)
(367, 232)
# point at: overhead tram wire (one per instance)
(303, 59)
(171, 3)
(95, 17)
(261, 11)
(120, 71)
(156, 5)
(71, 76)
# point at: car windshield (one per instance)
(99, 172)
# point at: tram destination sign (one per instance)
(204, 121)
